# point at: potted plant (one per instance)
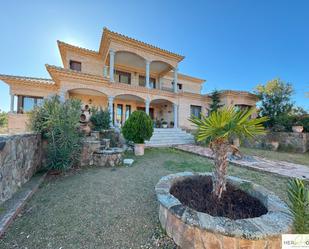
(297, 127)
(137, 129)
(164, 124)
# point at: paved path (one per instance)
(282, 168)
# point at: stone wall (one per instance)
(288, 141)
(20, 158)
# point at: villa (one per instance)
(124, 75)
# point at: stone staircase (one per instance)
(169, 137)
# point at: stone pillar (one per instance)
(147, 105)
(110, 109)
(105, 71)
(111, 65)
(175, 79)
(12, 102)
(62, 95)
(147, 73)
(175, 110)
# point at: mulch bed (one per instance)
(196, 193)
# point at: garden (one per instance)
(102, 188)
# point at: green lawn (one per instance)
(298, 158)
(107, 208)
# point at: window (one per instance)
(142, 81)
(123, 77)
(196, 110)
(119, 114)
(26, 104)
(179, 86)
(128, 111)
(76, 65)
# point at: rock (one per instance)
(128, 162)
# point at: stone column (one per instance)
(62, 95)
(111, 65)
(147, 105)
(105, 71)
(12, 103)
(175, 110)
(175, 79)
(110, 109)
(147, 73)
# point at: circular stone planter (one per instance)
(192, 229)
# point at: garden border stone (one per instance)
(192, 229)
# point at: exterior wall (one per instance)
(18, 123)
(90, 64)
(237, 99)
(96, 101)
(185, 111)
(20, 158)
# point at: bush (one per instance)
(299, 205)
(100, 119)
(304, 121)
(138, 127)
(3, 119)
(59, 123)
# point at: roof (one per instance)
(25, 79)
(109, 35)
(234, 92)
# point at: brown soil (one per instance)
(196, 193)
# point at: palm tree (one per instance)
(219, 128)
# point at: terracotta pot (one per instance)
(139, 149)
(297, 128)
(275, 145)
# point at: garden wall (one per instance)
(20, 158)
(288, 141)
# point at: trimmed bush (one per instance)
(59, 124)
(138, 127)
(100, 119)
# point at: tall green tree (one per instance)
(215, 104)
(276, 100)
(219, 128)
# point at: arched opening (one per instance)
(165, 113)
(90, 99)
(124, 105)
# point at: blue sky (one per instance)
(233, 44)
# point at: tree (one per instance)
(219, 128)
(215, 104)
(138, 127)
(59, 123)
(275, 100)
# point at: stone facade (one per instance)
(20, 158)
(288, 141)
(191, 229)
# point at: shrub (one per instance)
(298, 196)
(3, 118)
(100, 119)
(59, 123)
(304, 121)
(138, 127)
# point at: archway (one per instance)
(165, 113)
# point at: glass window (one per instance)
(119, 114)
(76, 65)
(142, 81)
(26, 104)
(128, 111)
(123, 77)
(196, 110)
